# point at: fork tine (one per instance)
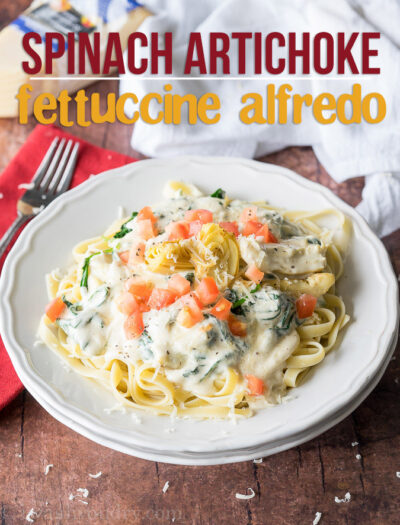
(69, 170)
(51, 169)
(60, 168)
(45, 163)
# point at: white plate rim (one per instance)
(69, 413)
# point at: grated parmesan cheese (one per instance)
(25, 186)
(358, 456)
(121, 212)
(398, 474)
(354, 444)
(136, 418)
(246, 496)
(115, 408)
(84, 492)
(31, 516)
(165, 487)
(259, 460)
(95, 476)
(346, 499)
(47, 469)
(317, 518)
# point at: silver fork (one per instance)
(52, 178)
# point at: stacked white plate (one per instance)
(330, 392)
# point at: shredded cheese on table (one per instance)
(346, 499)
(95, 476)
(165, 487)
(31, 516)
(246, 496)
(47, 469)
(317, 518)
(83, 493)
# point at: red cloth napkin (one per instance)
(91, 160)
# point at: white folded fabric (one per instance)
(344, 150)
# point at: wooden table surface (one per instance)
(290, 487)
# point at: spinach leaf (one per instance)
(85, 267)
(192, 372)
(124, 229)
(99, 296)
(284, 323)
(67, 303)
(215, 366)
(239, 302)
(230, 295)
(237, 306)
(190, 277)
(218, 194)
(144, 346)
(314, 241)
(72, 307)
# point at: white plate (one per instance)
(332, 389)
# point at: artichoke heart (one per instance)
(214, 253)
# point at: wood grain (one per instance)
(290, 487)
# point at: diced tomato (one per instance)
(177, 230)
(194, 228)
(254, 274)
(207, 291)
(146, 213)
(136, 254)
(222, 309)
(237, 327)
(179, 285)
(191, 300)
(305, 305)
(255, 385)
(139, 288)
(124, 256)
(126, 303)
(266, 233)
(231, 227)
(251, 228)
(248, 214)
(145, 229)
(191, 313)
(188, 317)
(133, 325)
(54, 309)
(204, 216)
(160, 298)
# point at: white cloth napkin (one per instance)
(344, 150)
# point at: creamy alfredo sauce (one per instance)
(192, 358)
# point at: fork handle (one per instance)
(12, 230)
